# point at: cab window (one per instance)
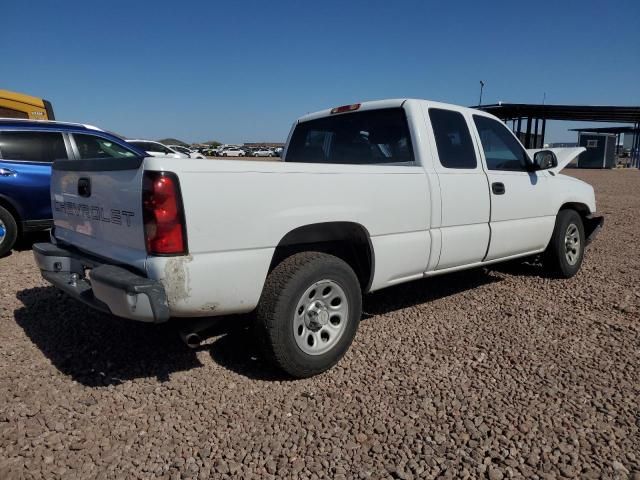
(42, 147)
(501, 149)
(91, 146)
(453, 140)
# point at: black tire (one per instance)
(10, 231)
(556, 259)
(283, 290)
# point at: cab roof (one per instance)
(389, 103)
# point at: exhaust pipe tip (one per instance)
(195, 331)
(191, 339)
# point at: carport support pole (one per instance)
(637, 150)
(632, 154)
(544, 126)
(535, 135)
(527, 138)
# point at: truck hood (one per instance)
(564, 155)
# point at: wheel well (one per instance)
(346, 240)
(581, 208)
(588, 224)
(11, 209)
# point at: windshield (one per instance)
(368, 137)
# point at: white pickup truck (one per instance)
(366, 196)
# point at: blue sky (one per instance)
(244, 70)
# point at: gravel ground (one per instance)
(494, 374)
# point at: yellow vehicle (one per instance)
(19, 105)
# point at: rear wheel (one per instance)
(309, 313)
(564, 254)
(8, 231)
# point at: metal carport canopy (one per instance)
(588, 113)
(614, 130)
(516, 112)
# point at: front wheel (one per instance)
(308, 313)
(8, 231)
(564, 254)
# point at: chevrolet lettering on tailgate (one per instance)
(94, 212)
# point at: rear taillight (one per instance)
(164, 226)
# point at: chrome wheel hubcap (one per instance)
(3, 231)
(321, 317)
(572, 244)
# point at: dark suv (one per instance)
(27, 150)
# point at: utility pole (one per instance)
(481, 88)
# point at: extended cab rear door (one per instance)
(522, 217)
(464, 191)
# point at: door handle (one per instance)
(497, 188)
(7, 172)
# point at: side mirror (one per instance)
(545, 159)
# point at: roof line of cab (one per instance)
(389, 103)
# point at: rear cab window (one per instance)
(25, 146)
(358, 138)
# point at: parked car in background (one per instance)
(156, 149)
(263, 152)
(412, 189)
(277, 151)
(214, 152)
(27, 150)
(186, 151)
(233, 152)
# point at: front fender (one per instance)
(570, 190)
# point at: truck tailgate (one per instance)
(97, 207)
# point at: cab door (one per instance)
(464, 192)
(522, 217)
